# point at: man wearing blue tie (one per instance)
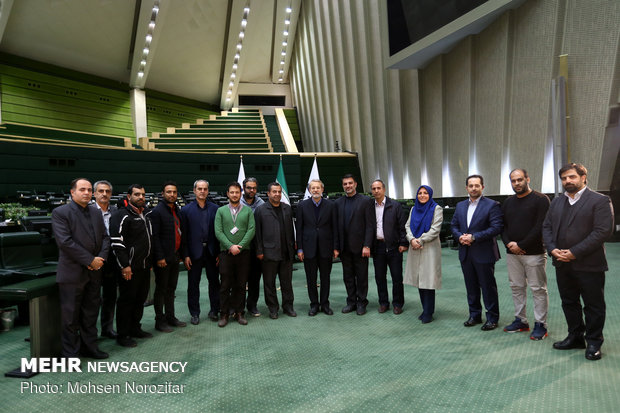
(476, 223)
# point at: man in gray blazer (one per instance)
(574, 231)
(83, 245)
(275, 247)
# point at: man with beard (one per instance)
(166, 247)
(130, 230)
(356, 229)
(234, 229)
(83, 245)
(317, 240)
(275, 247)
(200, 250)
(249, 198)
(476, 223)
(524, 214)
(109, 283)
(574, 231)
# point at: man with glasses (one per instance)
(249, 198)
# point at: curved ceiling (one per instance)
(190, 53)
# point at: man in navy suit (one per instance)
(476, 223)
(575, 229)
(317, 240)
(83, 245)
(200, 249)
(356, 230)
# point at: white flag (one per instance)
(241, 176)
(314, 174)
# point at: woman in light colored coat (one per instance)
(424, 256)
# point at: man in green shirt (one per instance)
(234, 229)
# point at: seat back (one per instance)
(20, 250)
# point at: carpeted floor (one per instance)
(375, 362)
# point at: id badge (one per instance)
(234, 230)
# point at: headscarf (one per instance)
(422, 214)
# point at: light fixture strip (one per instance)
(287, 22)
(148, 39)
(239, 46)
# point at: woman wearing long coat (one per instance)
(423, 268)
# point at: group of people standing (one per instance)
(248, 237)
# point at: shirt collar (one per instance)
(316, 203)
(577, 195)
(380, 204)
(474, 202)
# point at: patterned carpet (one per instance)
(375, 362)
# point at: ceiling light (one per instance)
(237, 56)
(284, 43)
(283, 53)
(241, 35)
(227, 99)
(285, 32)
(288, 10)
(281, 71)
(140, 74)
(280, 79)
(239, 46)
(287, 22)
(234, 66)
(232, 75)
(149, 38)
(152, 25)
(231, 84)
(155, 8)
(145, 50)
(246, 10)
(142, 62)
(244, 23)
(229, 92)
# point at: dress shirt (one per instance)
(379, 207)
(106, 217)
(577, 196)
(473, 204)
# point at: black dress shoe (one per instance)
(348, 308)
(141, 334)
(397, 310)
(97, 354)
(110, 334)
(273, 315)
(488, 326)
(126, 341)
(175, 322)
(290, 312)
(327, 310)
(383, 308)
(313, 311)
(472, 322)
(593, 352)
(361, 309)
(569, 343)
(213, 316)
(163, 327)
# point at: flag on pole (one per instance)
(282, 181)
(314, 174)
(241, 176)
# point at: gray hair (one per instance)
(102, 182)
(201, 180)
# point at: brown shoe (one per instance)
(241, 320)
(398, 310)
(223, 321)
(383, 308)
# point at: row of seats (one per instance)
(237, 131)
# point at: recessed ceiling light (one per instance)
(288, 10)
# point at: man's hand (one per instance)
(260, 256)
(300, 255)
(563, 255)
(465, 239)
(514, 248)
(336, 253)
(96, 264)
(127, 273)
(235, 249)
(188, 263)
(402, 249)
(365, 252)
(161, 263)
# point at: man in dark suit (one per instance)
(109, 283)
(574, 231)
(476, 223)
(356, 229)
(275, 247)
(250, 199)
(317, 240)
(390, 242)
(200, 249)
(83, 245)
(166, 254)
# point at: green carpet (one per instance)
(375, 362)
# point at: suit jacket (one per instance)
(393, 225)
(268, 240)
(317, 238)
(359, 231)
(192, 229)
(79, 241)
(485, 225)
(164, 237)
(590, 223)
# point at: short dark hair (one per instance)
(271, 185)
(378, 180)
(75, 181)
(167, 183)
(579, 168)
(525, 174)
(474, 176)
(250, 179)
(234, 183)
(132, 187)
(347, 176)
